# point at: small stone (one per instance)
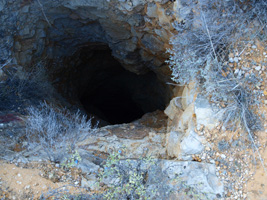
(258, 68)
(51, 176)
(231, 55)
(254, 46)
(207, 148)
(236, 59)
(27, 187)
(231, 60)
(212, 161)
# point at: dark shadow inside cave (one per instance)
(113, 94)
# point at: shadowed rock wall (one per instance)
(136, 31)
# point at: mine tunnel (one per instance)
(109, 92)
(103, 68)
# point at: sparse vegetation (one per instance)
(201, 55)
(55, 130)
(20, 88)
(126, 178)
(72, 160)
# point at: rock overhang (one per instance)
(136, 31)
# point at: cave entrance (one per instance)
(113, 94)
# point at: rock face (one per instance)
(136, 31)
(200, 176)
(188, 113)
(68, 37)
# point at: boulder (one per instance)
(191, 144)
(198, 177)
(205, 114)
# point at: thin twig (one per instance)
(253, 142)
(252, 38)
(211, 43)
(42, 8)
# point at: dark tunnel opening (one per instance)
(113, 94)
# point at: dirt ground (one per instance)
(30, 181)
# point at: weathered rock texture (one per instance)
(188, 113)
(136, 31)
(71, 37)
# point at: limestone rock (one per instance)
(200, 176)
(173, 143)
(185, 118)
(89, 184)
(152, 10)
(87, 166)
(174, 108)
(183, 145)
(191, 144)
(205, 114)
(188, 95)
(168, 179)
(136, 138)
